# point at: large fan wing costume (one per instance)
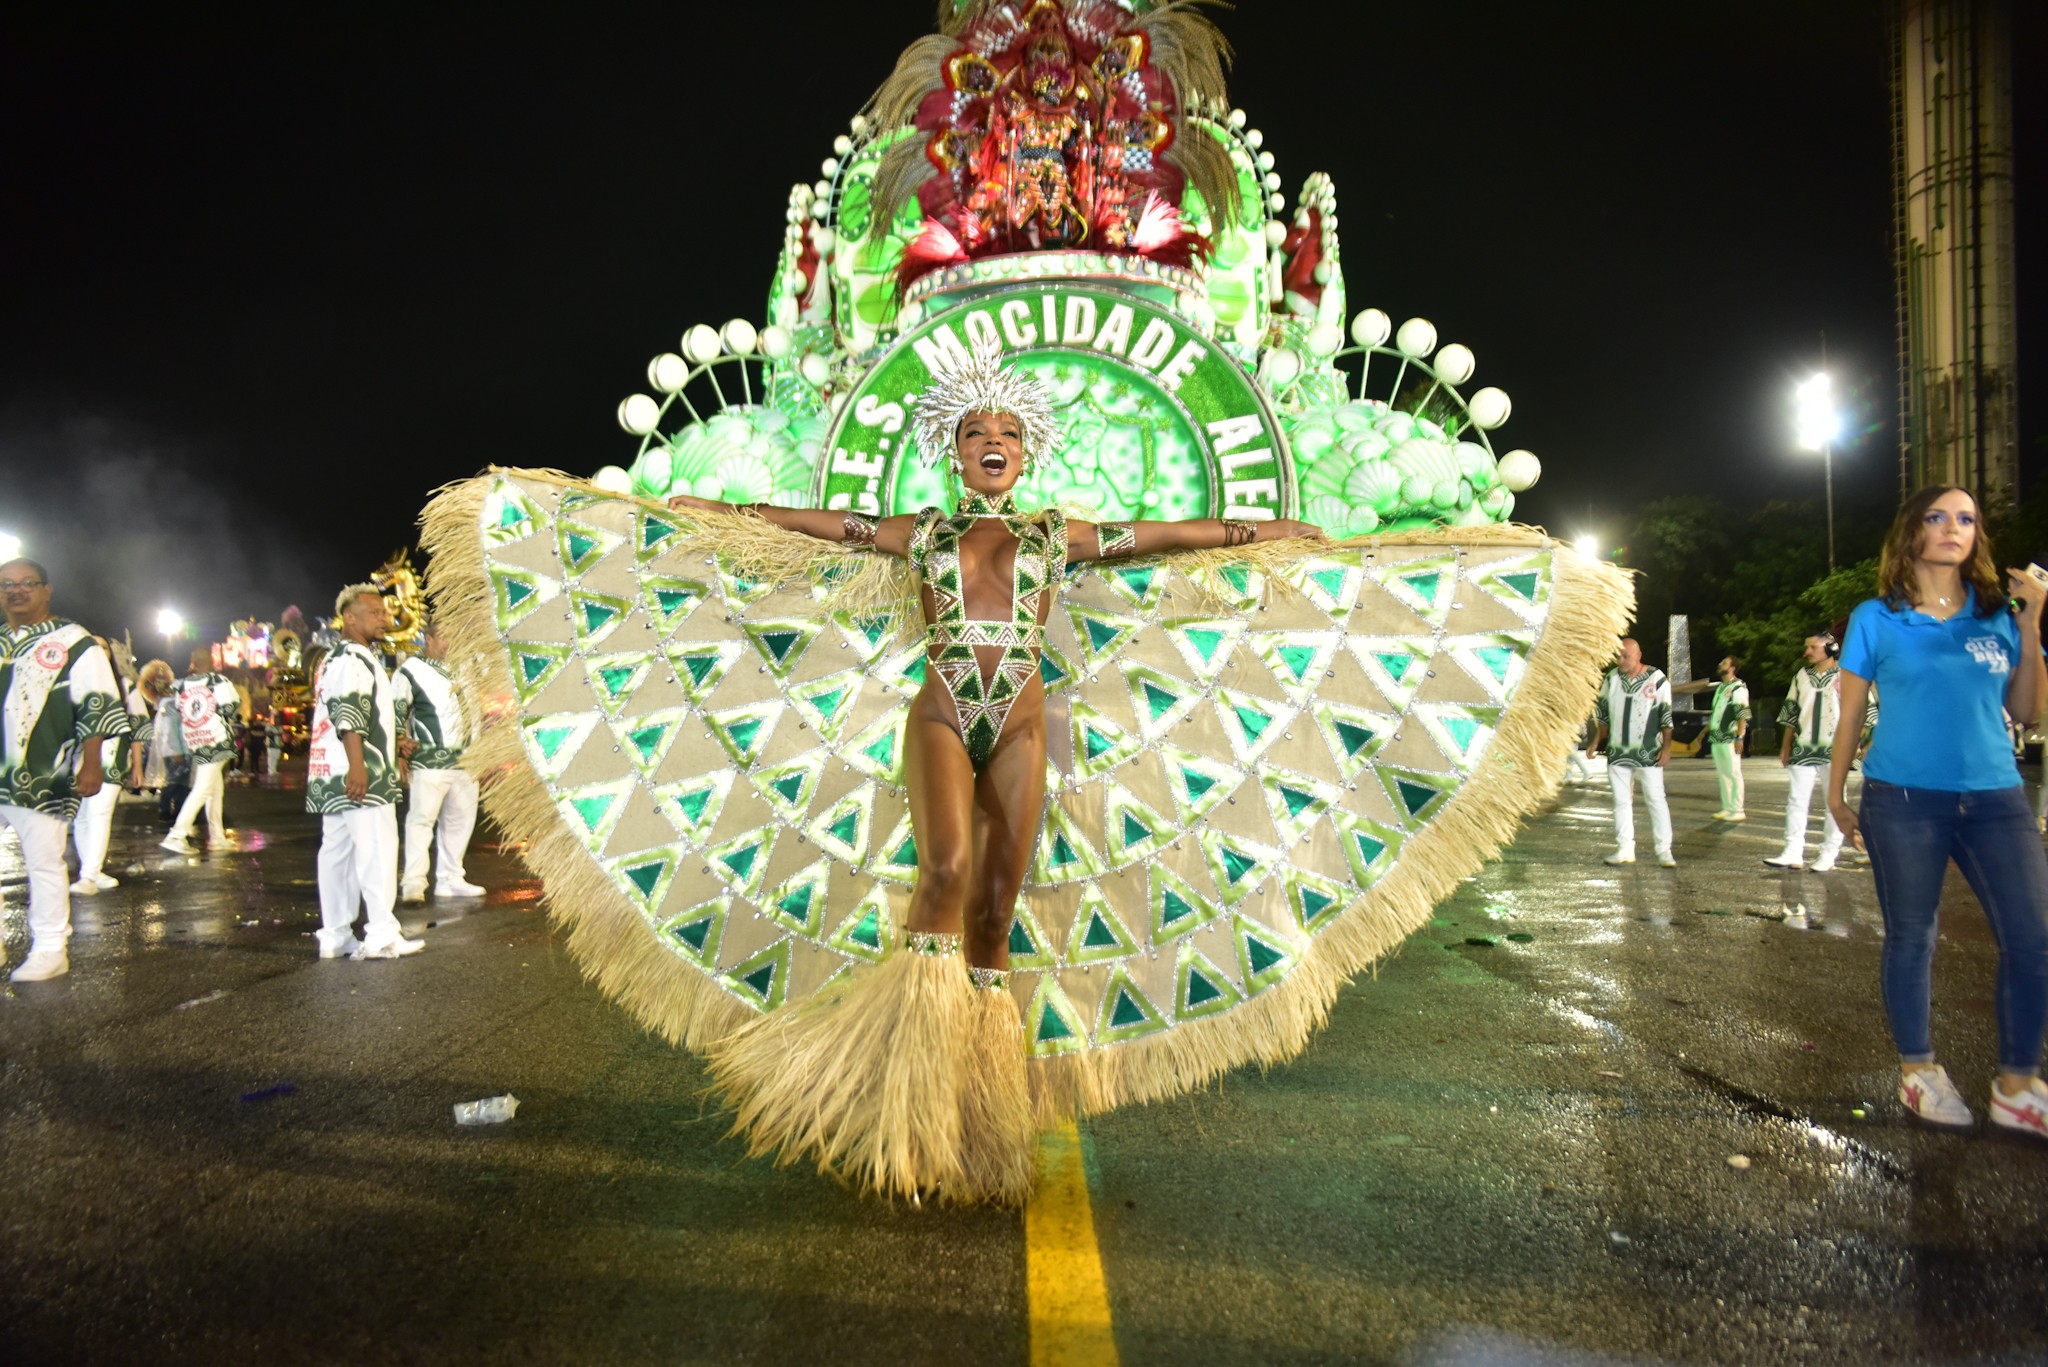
(1265, 764)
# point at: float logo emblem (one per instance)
(1161, 423)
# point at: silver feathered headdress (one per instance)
(984, 386)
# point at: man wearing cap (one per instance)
(58, 703)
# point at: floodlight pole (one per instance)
(1827, 460)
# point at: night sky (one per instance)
(269, 281)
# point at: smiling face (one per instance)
(1948, 531)
(991, 450)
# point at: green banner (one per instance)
(1161, 423)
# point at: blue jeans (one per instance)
(1912, 833)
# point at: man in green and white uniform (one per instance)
(1807, 726)
(208, 705)
(440, 797)
(58, 704)
(1633, 720)
(352, 776)
(1727, 729)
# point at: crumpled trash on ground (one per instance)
(491, 1110)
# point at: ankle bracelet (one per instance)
(931, 943)
(988, 979)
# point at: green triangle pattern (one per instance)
(744, 732)
(700, 665)
(1028, 949)
(645, 739)
(654, 533)
(799, 903)
(826, 704)
(843, 831)
(1263, 955)
(866, 933)
(781, 642)
(1127, 1013)
(593, 810)
(582, 546)
(1176, 907)
(669, 600)
(698, 931)
(743, 860)
(1098, 934)
(1203, 989)
(515, 594)
(552, 741)
(534, 667)
(1051, 1024)
(1314, 900)
(1100, 634)
(762, 981)
(692, 805)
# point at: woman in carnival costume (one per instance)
(913, 1077)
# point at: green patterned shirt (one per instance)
(1636, 713)
(1811, 708)
(207, 704)
(430, 713)
(57, 692)
(352, 694)
(1730, 711)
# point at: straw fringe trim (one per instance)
(1591, 603)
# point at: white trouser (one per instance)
(1621, 778)
(441, 805)
(358, 866)
(49, 887)
(1575, 770)
(93, 824)
(1798, 796)
(207, 787)
(1728, 774)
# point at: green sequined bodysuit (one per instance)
(983, 704)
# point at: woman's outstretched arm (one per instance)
(890, 535)
(1114, 540)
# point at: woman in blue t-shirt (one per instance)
(1950, 658)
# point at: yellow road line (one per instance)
(1063, 1279)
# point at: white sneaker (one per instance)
(391, 949)
(458, 888)
(2027, 1112)
(1665, 860)
(1824, 864)
(1932, 1099)
(85, 887)
(412, 896)
(1787, 859)
(1735, 816)
(43, 964)
(103, 882)
(1621, 857)
(222, 842)
(176, 844)
(347, 949)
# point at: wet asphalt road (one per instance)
(1511, 1146)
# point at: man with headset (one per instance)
(1806, 725)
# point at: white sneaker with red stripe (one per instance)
(1933, 1099)
(2027, 1112)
